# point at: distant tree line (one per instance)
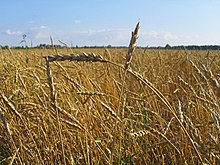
(167, 46)
(189, 47)
(48, 46)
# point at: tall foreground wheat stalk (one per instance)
(131, 48)
(132, 45)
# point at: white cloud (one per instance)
(121, 37)
(105, 36)
(95, 32)
(10, 32)
(77, 21)
(41, 35)
(38, 28)
(39, 32)
(153, 34)
(43, 27)
(99, 37)
(166, 37)
(31, 22)
(169, 36)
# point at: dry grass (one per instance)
(67, 111)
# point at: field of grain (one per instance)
(163, 110)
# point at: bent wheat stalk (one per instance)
(165, 101)
(213, 81)
(71, 57)
(91, 57)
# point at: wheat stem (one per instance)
(11, 106)
(11, 140)
(54, 104)
(131, 49)
(165, 101)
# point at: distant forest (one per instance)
(181, 47)
(193, 47)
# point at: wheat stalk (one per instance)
(11, 140)
(71, 124)
(108, 54)
(165, 101)
(179, 110)
(13, 157)
(52, 44)
(194, 131)
(11, 106)
(131, 49)
(89, 93)
(110, 110)
(91, 57)
(213, 81)
(155, 132)
(50, 80)
(187, 84)
(195, 94)
(132, 45)
(54, 103)
(139, 133)
(64, 43)
(199, 72)
(216, 118)
(168, 125)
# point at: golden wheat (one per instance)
(169, 110)
(77, 57)
(132, 45)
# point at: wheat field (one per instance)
(163, 109)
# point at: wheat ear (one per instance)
(213, 81)
(139, 133)
(64, 43)
(179, 111)
(111, 111)
(52, 44)
(132, 45)
(155, 132)
(131, 49)
(91, 57)
(168, 126)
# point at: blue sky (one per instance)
(110, 22)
